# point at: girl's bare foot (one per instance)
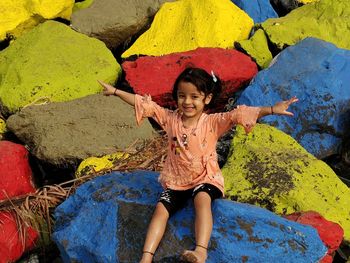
(199, 255)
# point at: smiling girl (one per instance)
(191, 169)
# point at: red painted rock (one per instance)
(156, 75)
(11, 246)
(330, 233)
(15, 172)
(15, 179)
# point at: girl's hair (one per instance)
(204, 82)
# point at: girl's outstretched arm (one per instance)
(110, 90)
(280, 108)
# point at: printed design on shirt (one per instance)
(175, 146)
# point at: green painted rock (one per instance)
(269, 168)
(328, 20)
(257, 48)
(65, 133)
(55, 63)
(19, 16)
(186, 25)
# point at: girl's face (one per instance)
(190, 101)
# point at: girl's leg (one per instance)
(203, 228)
(155, 232)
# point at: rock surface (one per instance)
(115, 21)
(156, 75)
(65, 133)
(186, 25)
(317, 73)
(328, 20)
(55, 63)
(259, 10)
(106, 221)
(20, 16)
(269, 168)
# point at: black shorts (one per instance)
(174, 200)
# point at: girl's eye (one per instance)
(195, 97)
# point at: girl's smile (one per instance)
(191, 102)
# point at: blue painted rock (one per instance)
(259, 10)
(317, 72)
(107, 218)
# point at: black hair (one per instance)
(205, 82)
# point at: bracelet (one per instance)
(114, 93)
(271, 110)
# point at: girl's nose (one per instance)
(187, 100)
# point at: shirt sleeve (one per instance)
(145, 107)
(245, 115)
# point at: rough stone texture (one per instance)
(256, 47)
(67, 132)
(187, 25)
(93, 165)
(330, 233)
(114, 210)
(328, 20)
(115, 21)
(259, 10)
(53, 62)
(156, 75)
(318, 74)
(19, 16)
(15, 172)
(269, 168)
(82, 5)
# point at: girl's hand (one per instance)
(282, 106)
(107, 89)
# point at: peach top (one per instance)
(191, 158)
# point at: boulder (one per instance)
(53, 62)
(156, 75)
(259, 10)
(115, 21)
(106, 221)
(328, 20)
(12, 243)
(15, 179)
(269, 168)
(93, 165)
(186, 25)
(15, 172)
(20, 16)
(331, 233)
(65, 133)
(257, 47)
(317, 72)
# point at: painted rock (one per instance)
(269, 168)
(114, 210)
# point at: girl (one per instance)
(191, 168)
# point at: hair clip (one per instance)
(214, 77)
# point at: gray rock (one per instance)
(68, 132)
(115, 21)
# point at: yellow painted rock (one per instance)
(257, 48)
(327, 20)
(82, 5)
(269, 168)
(2, 126)
(186, 25)
(53, 63)
(96, 164)
(19, 16)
